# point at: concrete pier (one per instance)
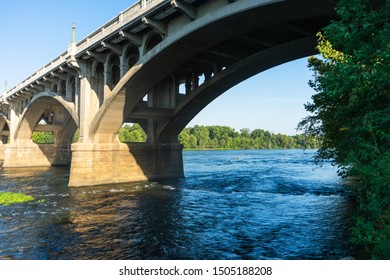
(97, 164)
(36, 155)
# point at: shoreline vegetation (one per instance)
(211, 138)
(350, 114)
(226, 138)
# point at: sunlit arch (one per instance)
(33, 113)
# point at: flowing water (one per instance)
(231, 205)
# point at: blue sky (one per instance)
(35, 32)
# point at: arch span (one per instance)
(227, 46)
(47, 112)
(224, 80)
(61, 117)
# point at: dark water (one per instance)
(231, 205)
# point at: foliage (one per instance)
(76, 136)
(43, 137)
(7, 198)
(224, 137)
(48, 137)
(351, 113)
(132, 133)
(209, 137)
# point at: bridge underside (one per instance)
(205, 62)
(160, 74)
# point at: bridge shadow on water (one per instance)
(231, 205)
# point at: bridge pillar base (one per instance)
(31, 155)
(100, 164)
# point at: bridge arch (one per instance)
(152, 40)
(211, 89)
(220, 51)
(113, 70)
(61, 118)
(130, 57)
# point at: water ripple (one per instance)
(231, 205)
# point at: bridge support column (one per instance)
(31, 155)
(98, 164)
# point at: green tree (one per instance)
(187, 139)
(224, 137)
(245, 133)
(202, 135)
(43, 137)
(351, 112)
(132, 133)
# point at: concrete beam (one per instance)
(26, 91)
(222, 54)
(158, 26)
(26, 94)
(133, 38)
(250, 40)
(296, 29)
(210, 63)
(50, 80)
(44, 83)
(47, 128)
(4, 105)
(116, 49)
(15, 98)
(73, 64)
(59, 75)
(152, 113)
(68, 70)
(186, 9)
(98, 56)
(36, 88)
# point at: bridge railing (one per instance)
(133, 12)
(41, 72)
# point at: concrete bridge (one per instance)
(159, 63)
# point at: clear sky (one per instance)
(35, 32)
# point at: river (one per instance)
(264, 204)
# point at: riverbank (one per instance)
(226, 138)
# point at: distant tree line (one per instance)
(224, 137)
(211, 137)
